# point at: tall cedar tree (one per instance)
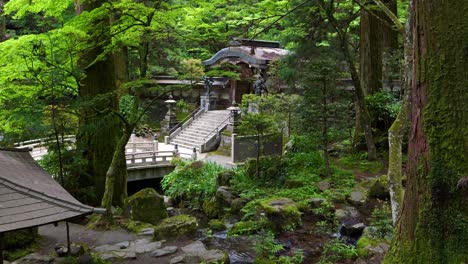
(433, 227)
(100, 133)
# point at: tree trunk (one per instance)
(389, 42)
(396, 132)
(114, 175)
(364, 116)
(370, 49)
(433, 227)
(3, 36)
(325, 128)
(99, 133)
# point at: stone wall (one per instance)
(244, 147)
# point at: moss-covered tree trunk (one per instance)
(433, 227)
(115, 192)
(397, 130)
(99, 133)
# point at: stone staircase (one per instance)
(202, 131)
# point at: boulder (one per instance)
(357, 198)
(224, 196)
(210, 208)
(75, 250)
(282, 213)
(168, 201)
(314, 203)
(198, 249)
(237, 204)
(175, 227)
(224, 178)
(351, 221)
(379, 188)
(323, 185)
(164, 251)
(147, 206)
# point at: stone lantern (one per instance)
(170, 119)
(234, 116)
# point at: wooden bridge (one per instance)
(145, 160)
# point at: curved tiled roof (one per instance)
(255, 56)
(29, 196)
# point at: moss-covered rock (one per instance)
(379, 188)
(282, 213)
(216, 225)
(238, 204)
(147, 206)
(224, 178)
(176, 227)
(210, 208)
(246, 228)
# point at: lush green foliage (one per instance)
(337, 250)
(358, 161)
(380, 225)
(192, 181)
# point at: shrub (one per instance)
(336, 250)
(272, 170)
(380, 225)
(192, 181)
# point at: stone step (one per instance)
(185, 144)
(201, 129)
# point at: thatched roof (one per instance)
(29, 196)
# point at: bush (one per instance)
(192, 181)
(272, 170)
(380, 225)
(336, 250)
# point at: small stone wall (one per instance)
(244, 147)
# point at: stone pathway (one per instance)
(122, 246)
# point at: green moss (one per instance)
(176, 227)
(147, 206)
(364, 242)
(216, 225)
(210, 208)
(246, 228)
(282, 213)
(137, 226)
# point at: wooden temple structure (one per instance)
(30, 197)
(252, 57)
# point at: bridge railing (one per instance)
(134, 147)
(155, 157)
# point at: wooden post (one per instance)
(68, 238)
(1, 248)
